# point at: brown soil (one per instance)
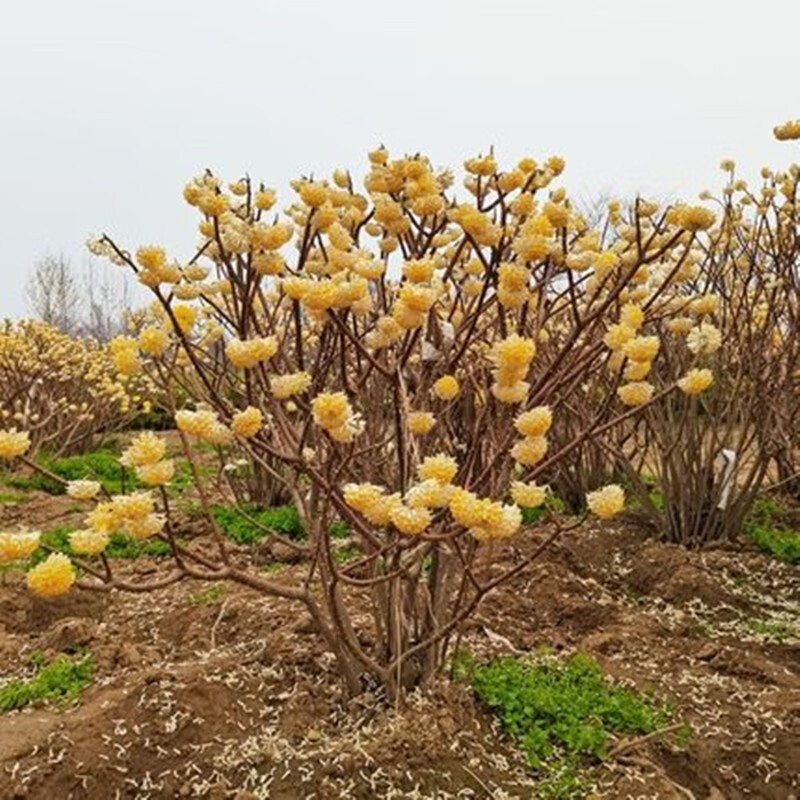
(237, 698)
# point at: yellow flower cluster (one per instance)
(83, 489)
(13, 443)
(636, 393)
(285, 386)
(332, 411)
(88, 542)
(606, 502)
(125, 353)
(247, 423)
(246, 353)
(446, 388)
(154, 341)
(704, 340)
(371, 501)
(787, 130)
(431, 493)
(146, 448)
(695, 218)
(512, 358)
(642, 348)
(146, 454)
(54, 576)
(133, 514)
(441, 467)
(533, 425)
(484, 518)
(205, 425)
(512, 285)
(528, 495)
(18, 546)
(696, 381)
(154, 267)
(158, 474)
(421, 422)
(411, 521)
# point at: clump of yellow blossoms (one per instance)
(788, 130)
(158, 474)
(205, 425)
(642, 348)
(636, 393)
(441, 467)
(154, 341)
(528, 495)
(535, 422)
(18, 546)
(618, 335)
(146, 448)
(484, 518)
(52, 577)
(332, 411)
(83, 489)
(421, 422)
(446, 388)
(410, 521)
(125, 354)
(533, 425)
(247, 423)
(530, 450)
(285, 386)
(371, 501)
(88, 542)
(146, 455)
(606, 502)
(13, 443)
(696, 381)
(512, 358)
(250, 352)
(695, 218)
(704, 340)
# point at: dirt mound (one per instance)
(233, 695)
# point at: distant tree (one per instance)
(107, 304)
(53, 294)
(80, 304)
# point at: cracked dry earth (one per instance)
(236, 698)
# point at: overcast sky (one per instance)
(108, 107)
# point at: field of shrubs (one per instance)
(439, 486)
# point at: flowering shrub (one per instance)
(733, 351)
(411, 363)
(60, 390)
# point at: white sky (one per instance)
(107, 107)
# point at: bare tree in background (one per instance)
(593, 206)
(107, 304)
(53, 294)
(88, 304)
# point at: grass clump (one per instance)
(119, 545)
(561, 710)
(62, 679)
(530, 516)
(210, 596)
(250, 523)
(775, 631)
(100, 465)
(13, 498)
(766, 528)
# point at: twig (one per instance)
(634, 743)
(216, 624)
